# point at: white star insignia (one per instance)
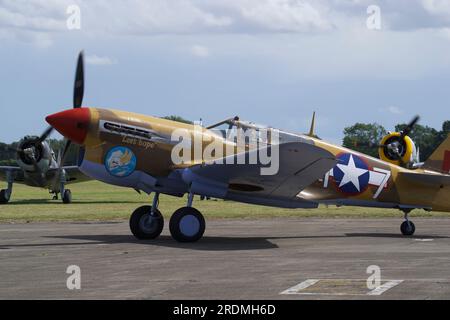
(351, 173)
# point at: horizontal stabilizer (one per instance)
(432, 179)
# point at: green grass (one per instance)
(96, 201)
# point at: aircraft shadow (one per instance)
(209, 243)
(206, 243)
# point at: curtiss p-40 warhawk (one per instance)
(137, 151)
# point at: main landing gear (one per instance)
(187, 224)
(407, 227)
(5, 194)
(66, 196)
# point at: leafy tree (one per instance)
(445, 131)
(446, 126)
(364, 137)
(6, 154)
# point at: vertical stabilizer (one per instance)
(311, 129)
(440, 158)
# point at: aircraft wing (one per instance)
(16, 172)
(432, 179)
(300, 164)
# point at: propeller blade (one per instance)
(410, 126)
(78, 90)
(45, 134)
(64, 153)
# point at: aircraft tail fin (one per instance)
(440, 158)
(313, 123)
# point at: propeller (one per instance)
(44, 135)
(395, 147)
(78, 90)
(409, 127)
(78, 93)
(37, 141)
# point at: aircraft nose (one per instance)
(72, 124)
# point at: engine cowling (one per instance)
(398, 150)
(35, 155)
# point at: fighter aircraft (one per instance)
(39, 166)
(271, 167)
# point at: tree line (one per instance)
(365, 137)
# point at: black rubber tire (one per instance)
(194, 220)
(3, 198)
(407, 228)
(138, 223)
(67, 196)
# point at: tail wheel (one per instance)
(407, 228)
(3, 197)
(144, 224)
(187, 225)
(67, 196)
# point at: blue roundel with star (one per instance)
(351, 174)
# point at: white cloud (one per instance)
(100, 61)
(142, 17)
(394, 110)
(437, 7)
(35, 15)
(198, 17)
(283, 15)
(199, 51)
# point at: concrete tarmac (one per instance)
(282, 258)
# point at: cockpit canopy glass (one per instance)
(233, 128)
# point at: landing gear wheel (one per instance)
(407, 228)
(3, 197)
(67, 196)
(187, 225)
(144, 225)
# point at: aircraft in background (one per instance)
(136, 151)
(38, 166)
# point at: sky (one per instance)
(269, 61)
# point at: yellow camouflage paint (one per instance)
(154, 159)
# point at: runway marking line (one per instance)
(301, 286)
(297, 289)
(384, 287)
